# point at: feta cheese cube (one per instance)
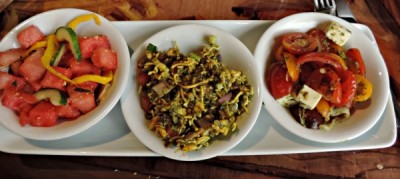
(337, 33)
(308, 97)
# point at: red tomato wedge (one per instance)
(299, 43)
(279, 82)
(29, 36)
(354, 55)
(323, 42)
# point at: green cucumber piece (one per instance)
(56, 97)
(69, 35)
(58, 55)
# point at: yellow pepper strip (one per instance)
(364, 89)
(83, 18)
(48, 55)
(323, 108)
(339, 59)
(292, 66)
(95, 78)
(35, 46)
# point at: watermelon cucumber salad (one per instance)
(56, 77)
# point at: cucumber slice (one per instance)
(58, 55)
(56, 97)
(69, 35)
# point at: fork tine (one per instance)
(322, 3)
(316, 4)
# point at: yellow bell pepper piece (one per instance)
(95, 78)
(323, 108)
(364, 89)
(292, 66)
(35, 46)
(83, 18)
(48, 55)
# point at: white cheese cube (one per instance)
(337, 33)
(308, 97)
(287, 101)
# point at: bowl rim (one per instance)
(119, 84)
(166, 152)
(297, 129)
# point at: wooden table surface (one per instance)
(383, 17)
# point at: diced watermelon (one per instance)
(84, 67)
(105, 58)
(29, 36)
(24, 115)
(8, 80)
(32, 68)
(10, 56)
(44, 114)
(89, 44)
(51, 81)
(84, 101)
(34, 86)
(88, 85)
(15, 99)
(68, 112)
(15, 67)
(67, 60)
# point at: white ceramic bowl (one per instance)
(235, 55)
(47, 22)
(359, 122)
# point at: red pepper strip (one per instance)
(48, 55)
(321, 57)
(326, 82)
(355, 55)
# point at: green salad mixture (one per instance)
(189, 100)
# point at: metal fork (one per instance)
(325, 6)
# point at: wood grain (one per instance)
(383, 17)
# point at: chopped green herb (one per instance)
(152, 48)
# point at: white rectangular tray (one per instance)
(112, 137)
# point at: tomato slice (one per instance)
(349, 86)
(326, 82)
(324, 44)
(299, 43)
(279, 83)
(354, 54)
(279, 54)
(322, 57)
